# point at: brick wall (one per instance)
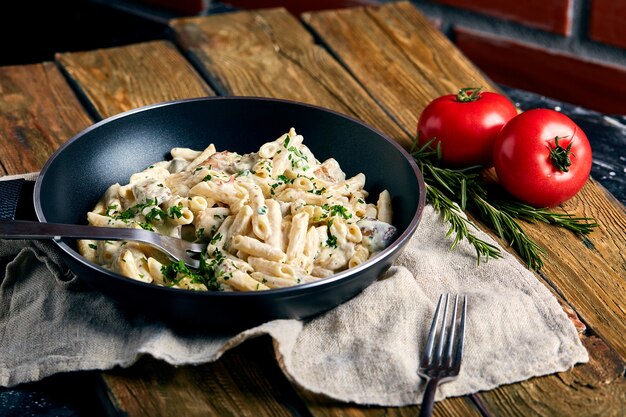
(571, 50)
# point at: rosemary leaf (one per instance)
(449, 212)
(579, 225)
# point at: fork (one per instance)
(441, 363)
(176, 248)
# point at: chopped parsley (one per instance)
(110, 209)
(175, 211)
(285, 179)
(339, 210)
(207, 273)
(154, 215)
(216, 238)
(331, 240)
(316, 190)
(282, 180)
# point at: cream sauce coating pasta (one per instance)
(273, 218)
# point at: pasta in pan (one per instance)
(274, 218)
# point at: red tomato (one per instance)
(466, 125)
(542, 157)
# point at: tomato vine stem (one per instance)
(560, 156)
(468, 94)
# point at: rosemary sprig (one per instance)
(470, 190)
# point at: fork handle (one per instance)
(20, 229)
(428, 402)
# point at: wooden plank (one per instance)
(245, 382)
(452, 407)
(38, 113)
(398, 55)
(269, 53)
(583, 282)
(118, 79)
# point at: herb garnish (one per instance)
(339, 210)
(207, 274)
(471, 190)
(331, 240)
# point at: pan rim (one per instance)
(335, 279)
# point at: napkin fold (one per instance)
(364, 351)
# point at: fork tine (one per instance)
(451, 331)
(459, 349)
(442, 332)
(428, 349)
(196, 247)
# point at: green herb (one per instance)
(331, 240)
(216, 238)
(146, 226)
(207, 273)
(155, 214)
(282, 180)
(110, 209)
(207, 178)
(175, 211)
(470, 190)
(285, 179)
(92, 246)
(131, 212)
(339, 210)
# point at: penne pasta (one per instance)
(271, 219)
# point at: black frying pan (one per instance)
(78, 174)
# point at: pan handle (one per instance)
(16, 199)
(10, 191)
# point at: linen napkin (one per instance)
(364, 351)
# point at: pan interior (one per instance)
(81, 171)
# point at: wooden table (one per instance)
(381, 64)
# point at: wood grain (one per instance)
(245, 382)
(269, 53)
(38, 113)
(400, 58)
(452, 407)
(118, 79)
(583, 282)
